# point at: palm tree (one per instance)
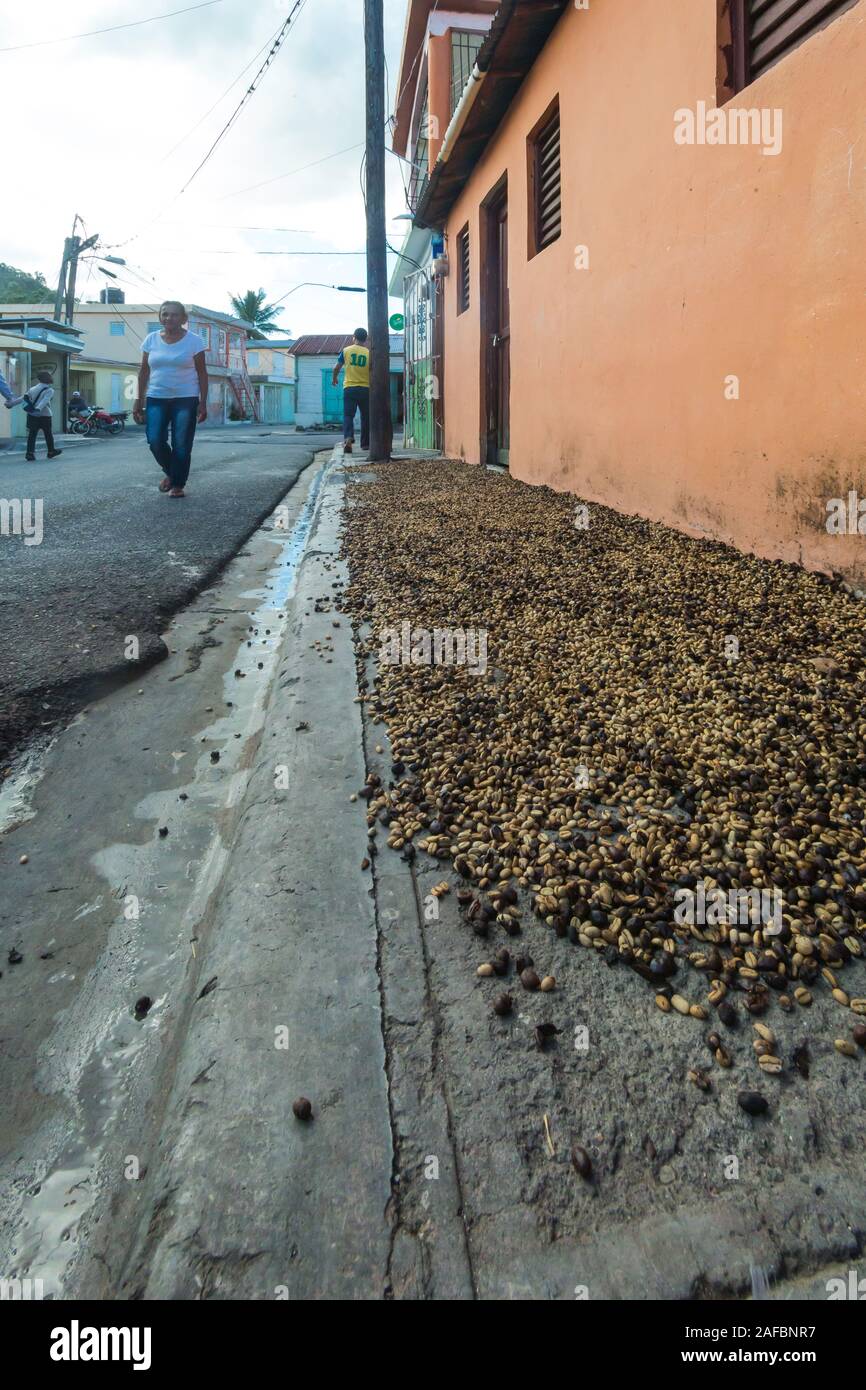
(252, 307)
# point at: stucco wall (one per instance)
(705, 261)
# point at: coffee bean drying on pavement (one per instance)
(618, 751)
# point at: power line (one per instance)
(136, 273)
(234, 227)
(300, 170)
(402, 256)
(247, 251)
(112, 28)
(277, 45)
(235, 192)
(140, 274)
(233, 83)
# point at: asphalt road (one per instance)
(117, 557)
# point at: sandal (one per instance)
(165, 485)
(177, 492)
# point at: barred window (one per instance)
(464, 47)
(420, 159)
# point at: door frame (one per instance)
(437, 313)
(488, 309)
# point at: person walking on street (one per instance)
(354, 361)
(39, 399)
(172, 394)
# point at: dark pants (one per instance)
(356, 398)
(36, 425)
(178, 416)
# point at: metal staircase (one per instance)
(244, 394)
(234, 360)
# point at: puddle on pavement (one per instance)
(88, 1059)
(16, 790)
(45, 1240)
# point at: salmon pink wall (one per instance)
(438, 91)
(705, 262)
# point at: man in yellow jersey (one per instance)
(355, 362)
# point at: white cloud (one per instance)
(99, 116)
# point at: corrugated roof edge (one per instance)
(321, 344)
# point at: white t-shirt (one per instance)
(172, 368)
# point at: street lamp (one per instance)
(318, 284)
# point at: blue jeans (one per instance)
(356, 398)
(178, 415)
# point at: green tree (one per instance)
(252, 307)
(17, 287)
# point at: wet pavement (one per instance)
(83, 606)
(126, 823)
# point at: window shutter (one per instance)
(549, 185)
(463, 270)
(775, 27)
(545, 181)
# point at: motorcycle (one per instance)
(93, 420)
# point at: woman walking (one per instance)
(172, 394)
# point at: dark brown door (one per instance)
(498, 374)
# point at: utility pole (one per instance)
(60, 297)
(64, 300)
(377, 260)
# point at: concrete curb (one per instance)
(246, 1201)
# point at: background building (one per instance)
(439, 52)
(272, 372)
(32, 342)
(106, 368)
(318, 402)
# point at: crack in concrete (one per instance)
(439, 1071)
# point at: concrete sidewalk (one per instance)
(243, 1200)
(318, 986)
(437, 1164)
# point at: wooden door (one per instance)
(502, 346)
(498, 333)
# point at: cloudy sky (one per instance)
(109, 129)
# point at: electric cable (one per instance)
(248, 94)
(247, 97)
(111, 29)
(219, 99)
(236, 192)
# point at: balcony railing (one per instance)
(420, 159)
